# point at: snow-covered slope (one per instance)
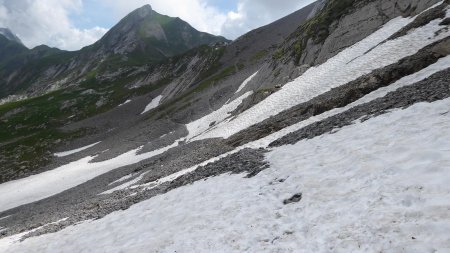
(377, 185)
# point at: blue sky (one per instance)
(72, 24)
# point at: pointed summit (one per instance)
(146, 34)
(144, 10)
(9, 35)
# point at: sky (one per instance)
(73, 24)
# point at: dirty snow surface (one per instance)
(373, 186)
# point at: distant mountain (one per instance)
(144, 33)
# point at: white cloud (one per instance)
(46, 22)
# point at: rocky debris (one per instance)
(13, 166)
(345, 94)
(250, 161)
(183, 156)
(436, 87)
(294, 199)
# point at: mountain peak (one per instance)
(145, 32)
(146, 7)
(10, 35)
(144, 11)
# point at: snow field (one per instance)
(376, 186)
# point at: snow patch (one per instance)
(210, 121)
(153, 104)
(242, 86)
(124, 103)
(70, 152)
(124, 178)
(126, 185)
